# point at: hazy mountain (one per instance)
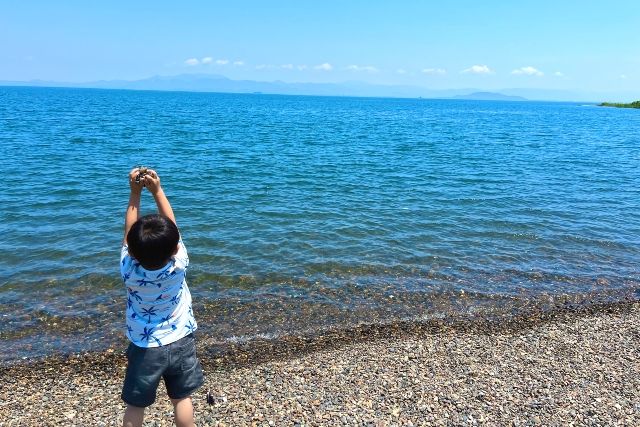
(218, 83)
(490, 96)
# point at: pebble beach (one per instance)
(570, 366)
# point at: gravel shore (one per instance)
(570, 367)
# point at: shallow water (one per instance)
(302, 213)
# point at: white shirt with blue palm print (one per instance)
(158, 301)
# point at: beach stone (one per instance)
(571, 368)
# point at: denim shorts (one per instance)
(176, 363)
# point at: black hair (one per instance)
(152, 240)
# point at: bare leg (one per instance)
(183, 412)
(133, 416)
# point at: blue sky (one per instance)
(592, 45)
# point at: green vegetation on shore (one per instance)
(635, 104)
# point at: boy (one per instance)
(160, 320)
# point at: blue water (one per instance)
(303, 213)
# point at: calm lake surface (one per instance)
(307, 213)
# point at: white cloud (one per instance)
(324, 67)
(401, 71)
(365, 68)
(528, 71)
(238, 63)
(558, 74)
(262, 66)
(435, 71)
(478, 69)
(192, 62)
(302, 67)
(623, 76)
(207, 60)
(287, 66)
(222, 61)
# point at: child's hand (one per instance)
(135, 185)
(152, 181)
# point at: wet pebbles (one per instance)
(570, 367)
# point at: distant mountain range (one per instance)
(218, 83)
(490, 96)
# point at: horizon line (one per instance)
(590, 97)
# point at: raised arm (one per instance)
(133, 209)
(152, 182)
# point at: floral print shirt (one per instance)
(158, 301)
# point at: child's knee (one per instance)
(134, 408)
(182, 399)
(133, 416)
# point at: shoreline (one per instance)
(546, 368)
(259, 349)
(72, 337)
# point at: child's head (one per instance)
(152, 240)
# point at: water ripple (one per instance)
(340, 201)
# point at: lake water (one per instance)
(307, 213)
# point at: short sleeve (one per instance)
(124, 253)
(181, 257)
(125, 259)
